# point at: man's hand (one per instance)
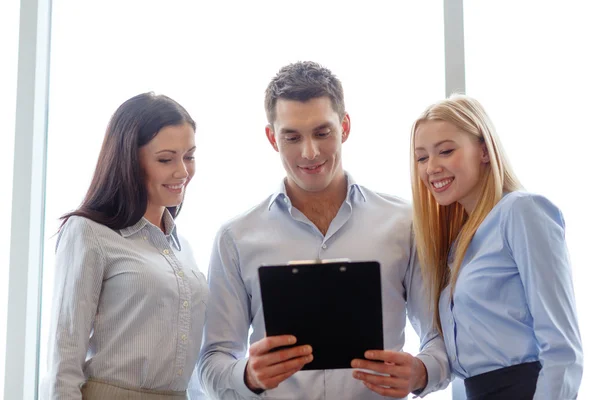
(266, 369)
(403, 373)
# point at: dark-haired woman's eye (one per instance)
(163, 160)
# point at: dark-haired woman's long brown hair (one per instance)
(117, 196)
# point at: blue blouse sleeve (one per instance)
(535, 233)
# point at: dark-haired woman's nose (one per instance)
(182, 171)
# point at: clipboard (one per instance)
(335, 306)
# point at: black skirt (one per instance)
(516, 382)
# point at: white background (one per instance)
(533, 64)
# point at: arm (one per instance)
(429, 370)
(432, 349)
(535, 234)
(78, 280)
(223, 354)
(225, 371)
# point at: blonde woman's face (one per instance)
(450, 163)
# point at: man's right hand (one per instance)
(266, 369)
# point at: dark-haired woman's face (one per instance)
(168, 164)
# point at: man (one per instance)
(319, 212)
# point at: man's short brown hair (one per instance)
(304, 81)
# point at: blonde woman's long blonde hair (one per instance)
(438, 227)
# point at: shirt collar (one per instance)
(170, 228)
(353, 189)
(135, 228)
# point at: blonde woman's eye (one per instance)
(446, 152)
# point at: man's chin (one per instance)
(314, 188)
(311, 187)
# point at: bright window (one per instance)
(9, 32)
(534, 66)
(216, 59)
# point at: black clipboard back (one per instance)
(333, 305)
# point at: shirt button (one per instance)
(165, 251)
(179, 372)
(285, 200)
(185, 304)
(184, 337)
(180, 273)
(145, 238)
(324, 246)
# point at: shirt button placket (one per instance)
(322, 248)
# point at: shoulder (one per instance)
(385, 200)
(523, 211)
(387, 206)
(527, 205)
(248, 219)
(84, 232)
(77, 226)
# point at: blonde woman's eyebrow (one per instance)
(441, 142)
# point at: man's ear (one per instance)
(270, 132)
(345, 127)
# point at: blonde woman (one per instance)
(494, 260)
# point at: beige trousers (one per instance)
(97, 390)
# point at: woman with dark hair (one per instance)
(129, 300)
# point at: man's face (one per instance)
(309, 136)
